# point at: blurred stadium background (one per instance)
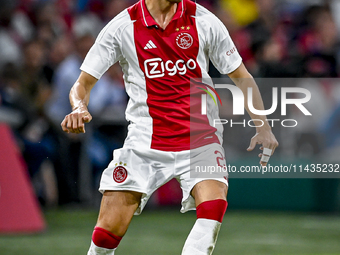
(42, 44)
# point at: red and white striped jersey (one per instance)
(158, 65)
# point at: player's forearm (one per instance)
(244, 84)
(79, 96)
(244, 80)
(80, 92)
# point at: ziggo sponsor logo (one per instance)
(155, 67)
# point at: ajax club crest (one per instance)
(184, 40)
(119, 174)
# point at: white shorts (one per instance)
(144, 170)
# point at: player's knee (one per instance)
(209, 190)
(212, 210)
(223, 190)
(105, 239)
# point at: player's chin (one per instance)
(174, 1)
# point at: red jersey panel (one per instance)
(168, 66)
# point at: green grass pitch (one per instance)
(163, 232)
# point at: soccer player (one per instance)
(160, 45)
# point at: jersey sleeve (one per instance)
(104, 53)
(222, 51)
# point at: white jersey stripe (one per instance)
(183, 8)
(141, 4)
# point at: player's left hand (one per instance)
(268, 141)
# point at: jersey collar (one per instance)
(148, 20)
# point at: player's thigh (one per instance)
(117, 209)
(209, 190)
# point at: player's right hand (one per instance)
(75, 121)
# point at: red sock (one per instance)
(105, 239)
(212, 210)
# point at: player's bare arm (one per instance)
(264, 136)
(79, 99)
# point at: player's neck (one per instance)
(162, 11)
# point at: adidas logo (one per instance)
(150, 45)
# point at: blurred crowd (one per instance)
(43, 43)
